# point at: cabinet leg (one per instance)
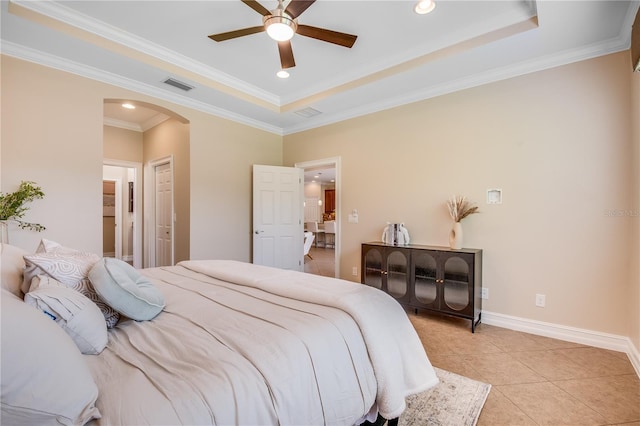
(475, 323)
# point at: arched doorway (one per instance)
(140, 137)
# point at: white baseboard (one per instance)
(128, 258)
(109, 254)
(570, 334)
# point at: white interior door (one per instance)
(312, 210)
(164, 215)
(278, 238)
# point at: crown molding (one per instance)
(52, 61)
(71, 17)
(616, 44)
(497, 23)
(595, 50)
(121, 124)
(127, 125)
(154, 121)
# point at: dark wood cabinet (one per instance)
(436, 279)
(388, 269)
(329, 200)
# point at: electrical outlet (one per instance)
(354, 271)
(540, 300)
(484, 293)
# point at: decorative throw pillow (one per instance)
(12, 264)
(45, 380)
(125, 290)
(44, 281)
(76, 314)
(48, 246)
(70, 267)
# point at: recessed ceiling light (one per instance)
(282, 74)
(424, 6)
(128, 106)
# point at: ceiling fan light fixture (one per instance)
(424, 6)
(280, 26)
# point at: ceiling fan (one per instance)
(281, 24)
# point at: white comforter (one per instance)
(245, 344)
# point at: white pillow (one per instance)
(12, 264)
(48, 246)
(75, 313)
(45, 379)
(44, 281)
(71, 268)
(125, 290)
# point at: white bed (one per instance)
(243, 344)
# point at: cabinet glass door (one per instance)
(425, 283)
(456, 283)
(397, 266)
(373, 268)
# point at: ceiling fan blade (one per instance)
(296, 7)
(286, 54)
(343, 39)
(237, 33)
(253, 4)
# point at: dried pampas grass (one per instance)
(459, 207)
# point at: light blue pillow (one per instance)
(123, 288)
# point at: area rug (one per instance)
(455, 401)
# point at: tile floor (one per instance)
(323, 262)
(535, 380)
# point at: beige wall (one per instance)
(52, 133)
(557, 142)
(221, 185)
(171, 139)
(122, 144)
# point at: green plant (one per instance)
(12, 205)
(459, 208)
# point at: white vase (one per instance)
(455, 236)
(4, 232)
